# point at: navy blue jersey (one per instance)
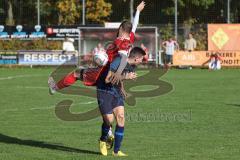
(115, 64)
(112, 67)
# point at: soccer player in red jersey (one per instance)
(121, 46)
(214, 62)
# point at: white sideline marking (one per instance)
(11, 110)
(44, 108)
(32, 87)
(21, 76)
(27, 87)
(51, 107)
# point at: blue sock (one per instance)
(119, 132)
(105, 130)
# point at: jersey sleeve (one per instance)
(132, 37)
(135, 21)
(115, 64)
(123, 46)
(123, 64)
(112, 51)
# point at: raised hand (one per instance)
(141, 6)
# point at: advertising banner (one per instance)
(34, 32)
(8, 57)
(60, 32)
(197, 58)
(22, 32)
(46, 57)
(224, 37)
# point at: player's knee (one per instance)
(108, 123)
(120, 119)
(108, 119)
(76, 73)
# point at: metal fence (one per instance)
(26, 12)
(172, 17)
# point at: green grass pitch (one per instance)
(198, 120)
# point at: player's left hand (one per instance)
(141, 6)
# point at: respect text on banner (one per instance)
(46, 57)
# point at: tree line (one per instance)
(69, 12)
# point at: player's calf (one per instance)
(66, 81)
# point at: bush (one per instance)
(166, 32)
(199, 32)
(38, 44)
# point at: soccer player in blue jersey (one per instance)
(111, 99)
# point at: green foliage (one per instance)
(198, 3)
(168, 11)
(69, 11)
(40, 44)
(2, 11)
(62, 12)
(48, 12)
(199, 32)
(186, 8)
(199, 120)
(201, 38)
(98, 11)
(166, 32)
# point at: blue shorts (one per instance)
(108, 100)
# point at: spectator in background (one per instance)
(99, 49)
(170, 46)
(214, 62)
(68, 45)
(190, 44)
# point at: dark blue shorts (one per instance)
(108, 100)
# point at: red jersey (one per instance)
(215, 57)
(119, 45)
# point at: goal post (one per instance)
(90, 37)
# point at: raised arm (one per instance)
(140, 7)
(122, 65)
(114, 67)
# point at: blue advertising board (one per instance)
(8, 57)
(22, 32)
(46, 57)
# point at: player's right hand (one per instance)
(116, 78)
(140, 7)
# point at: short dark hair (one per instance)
(126, 26)
(137, 52)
